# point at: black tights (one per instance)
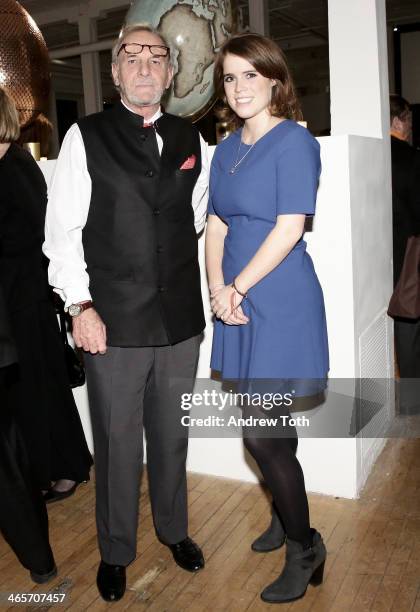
(282, 472)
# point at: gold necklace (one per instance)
(238, 161)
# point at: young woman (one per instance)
(270, 330)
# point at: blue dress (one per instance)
(286, 336)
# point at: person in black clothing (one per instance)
(23, 516)
(406, 222)
(39, 393)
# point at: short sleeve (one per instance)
(214, 172)
(297, 172)
(210, 208)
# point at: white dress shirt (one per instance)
(68, 207)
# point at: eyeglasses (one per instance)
(136, 48)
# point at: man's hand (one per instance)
(89, 332)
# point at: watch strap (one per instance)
(86, 305)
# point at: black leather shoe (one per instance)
(111, 581)
(187, 555)
(44, 577)
(52, 496)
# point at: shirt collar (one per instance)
(155, 117)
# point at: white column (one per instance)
(92, 85)
(358, 67)
(258, 17)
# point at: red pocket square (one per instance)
(189, 163)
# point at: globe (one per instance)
(197, 29)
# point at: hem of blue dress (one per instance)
(298, 387)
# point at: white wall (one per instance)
(358, 67)
(370, 183)
(370, 180)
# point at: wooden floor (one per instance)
(373, 547)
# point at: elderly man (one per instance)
(128, 195)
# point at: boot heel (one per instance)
(318, 575)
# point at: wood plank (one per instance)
(386, 594)
(373, 546)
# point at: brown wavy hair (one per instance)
(269, 60)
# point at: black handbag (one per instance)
(74, 365)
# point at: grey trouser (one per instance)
(130, 388)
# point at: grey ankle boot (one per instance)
(303, 566)
(273, 537)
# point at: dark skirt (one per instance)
(42, 401)
(23, 516)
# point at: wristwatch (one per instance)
(76, 309)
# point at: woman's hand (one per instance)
(225, 304)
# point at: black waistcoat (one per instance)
(139, 241)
